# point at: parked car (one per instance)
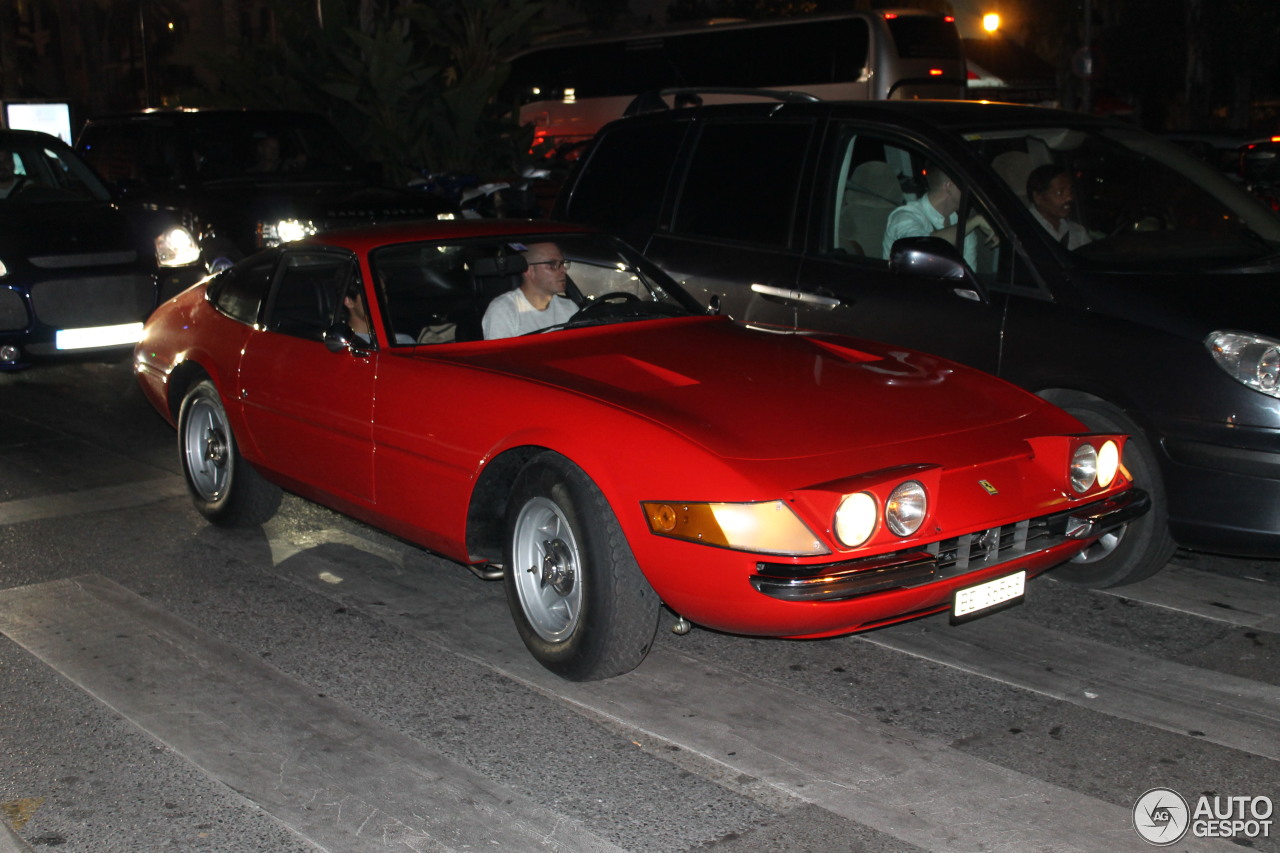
(642, 452)
(1162, 326)
(243, 180)
(76, 275)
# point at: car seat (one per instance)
(1014, 167)
(871, 194)
(494, 276)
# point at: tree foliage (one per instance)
(1191, 63)
(413, 84)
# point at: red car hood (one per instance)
(748, 394)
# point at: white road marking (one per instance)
(1239, 601)
(331, 775)
(103, 499)
(1220, 708)
(855, 767)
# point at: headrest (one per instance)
(501, 265)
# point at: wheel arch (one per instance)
(1064, 398)
(181, 379)
(487, 508)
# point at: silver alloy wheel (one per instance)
(1103, 547)
(546, 570)
(208, 452)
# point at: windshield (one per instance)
(440, 292)
(1141, 202)
(32, 172)
(267, 146)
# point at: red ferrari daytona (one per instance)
(545, 406)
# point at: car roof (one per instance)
(29, 137)
(371, 236)
(952, 115)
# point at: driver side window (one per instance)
(885, 189)
(308, 294)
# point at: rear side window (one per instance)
(622, 183)
(240, 291)
(743, 181)
(925, 37)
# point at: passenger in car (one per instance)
(1051, 195)
(539, 301)
(358, 317)
(934, 215)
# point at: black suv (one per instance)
(242, 180)
(1163, 324)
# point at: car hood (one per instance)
(324, 200)
(1187, 305)
(63, 229)
(748, 394)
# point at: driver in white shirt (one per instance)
(538, 302)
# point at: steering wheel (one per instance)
(603, 303)
(1142, 218)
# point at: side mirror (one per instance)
(339, 337)
(933, 257)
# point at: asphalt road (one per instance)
(316, 685)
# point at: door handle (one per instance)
(791, 295)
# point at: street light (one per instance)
(991, 22)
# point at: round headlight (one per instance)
(1084, 468)
(905, 510)
(856, 519)
(1108, 463)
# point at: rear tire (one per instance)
(580, 602)
(1141, 548)
(225, 488)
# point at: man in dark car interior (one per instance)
(1051, 195)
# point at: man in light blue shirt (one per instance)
(934, 215)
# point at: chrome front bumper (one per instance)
(947, 558)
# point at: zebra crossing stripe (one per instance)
(331, 775)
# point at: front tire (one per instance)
(580, 602)
(1141, 548)
(225, 488)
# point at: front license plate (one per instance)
(984, 596)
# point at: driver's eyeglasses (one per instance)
(558, 264)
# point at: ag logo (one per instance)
(1161, 817)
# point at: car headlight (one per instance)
(905, 510)
(285, 231)
(1253, 360)
(1084, 468)
(856, 519)
(177, 248)
(4, 271)
(1108, 463)
(769, 527)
